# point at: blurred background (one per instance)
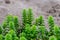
(39, 7)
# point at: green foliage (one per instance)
(16, 38)
(22, 34)
(56, 32)
(30, 16)
(8, 37)
(4, 24)
(16, 22)
(29, 32)
(23, 38)
(43, 33)
(12, 30)
(24, 15)
(42, 29)
(12, 26)
(13, 34)
(51, 24)
(37, 22)
(27, 16)
(1, 30)
(33, 31)
(9, 18)
(56, 29)
(40, 21)
(1, 37)
(27, 28)
(52, 38)
(51, 21)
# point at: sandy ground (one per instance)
(39, 7)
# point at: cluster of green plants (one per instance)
(11, 29)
